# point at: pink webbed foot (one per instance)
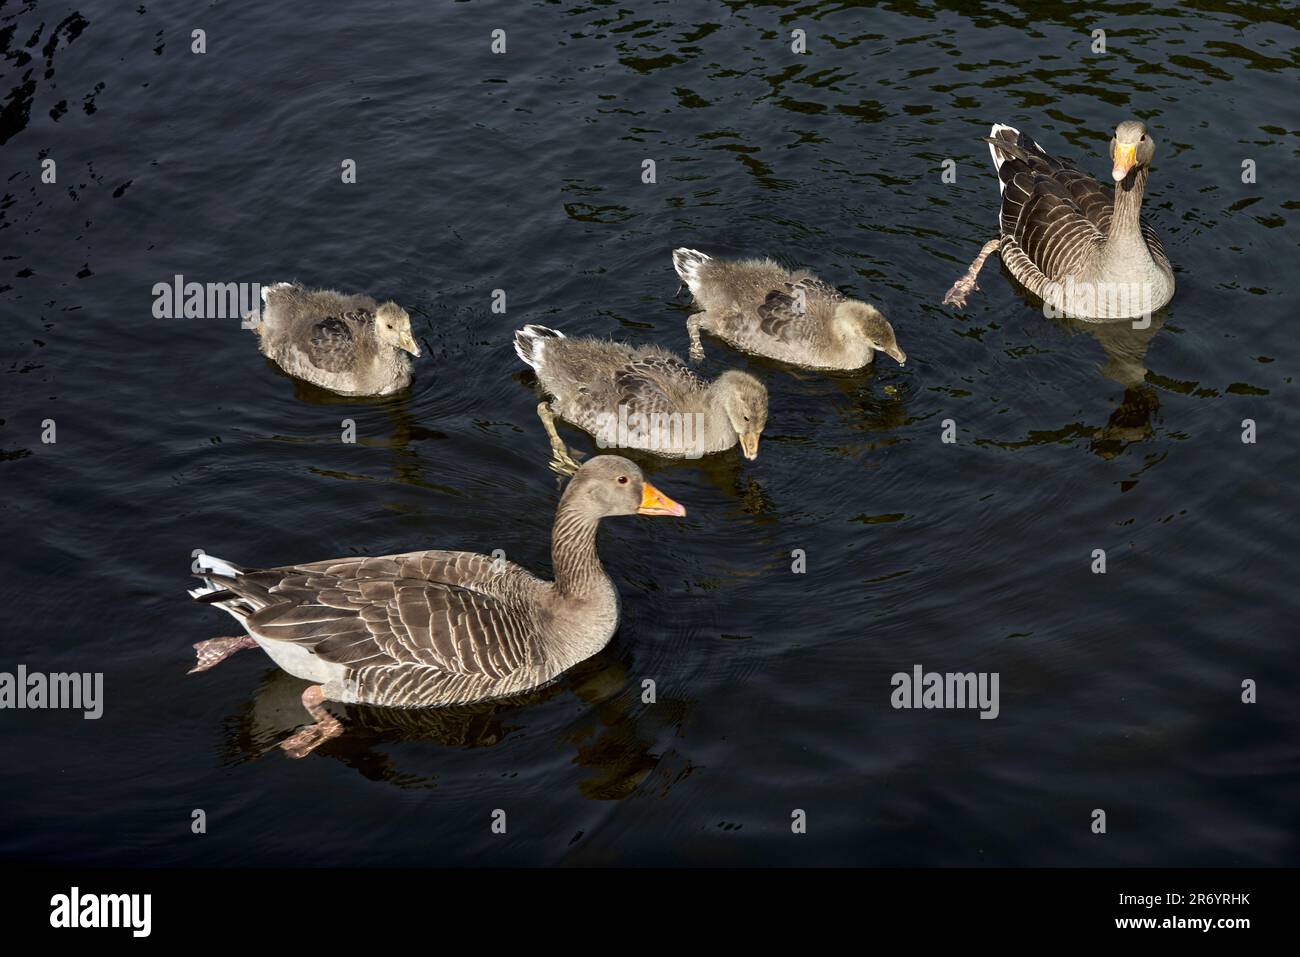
(214, 651)
(960, 290)
(964, 286)
(307, 740)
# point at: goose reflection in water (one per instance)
(614, 738)
(1125, 346)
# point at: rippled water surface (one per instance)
(523, 172)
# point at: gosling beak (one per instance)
(655, 502)
(409, 344)
(1125, 159)
(897, 354)
(749, 445)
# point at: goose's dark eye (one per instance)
(746, 418)
(1144, 137)
(622, 480)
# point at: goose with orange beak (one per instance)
(433, 628)
(1125, 158)
(1072, 242)
(655, 502)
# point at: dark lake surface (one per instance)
(522, 172)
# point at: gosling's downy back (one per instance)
(344, 342)
(618, 392)
(761, 307)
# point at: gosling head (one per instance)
(393, 327)
(1132, 148)
(744, 399)
(612, 485)
(862, 321)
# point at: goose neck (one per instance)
(1127, 214)
(578, 571)
(714, 421)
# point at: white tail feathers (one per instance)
(210, 563)
(998, 158)
(239, 608)
(688, 263)
(530, 340)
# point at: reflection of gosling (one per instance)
(348, 344)
(763, 308)
(596, 383)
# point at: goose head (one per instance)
(1131, 148)
(393, 327)
(612, 485)
(744, 400)
(858, 320)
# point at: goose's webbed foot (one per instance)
(693, 325)
(214, 651)
(964, 286)
(307, 740)
(563, 464)
(561, 461)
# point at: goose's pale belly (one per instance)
(1108, 299)
(300, 662)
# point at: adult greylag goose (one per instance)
(760, 307)
(348, 344)
(433, 628)
(640, 397)
(1080, 248)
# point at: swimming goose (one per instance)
(763, 308)
(1082, 250)
(348, 344)
(433, 628)
(641, 397)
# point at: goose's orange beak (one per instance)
(1125, 159)
(655, 502)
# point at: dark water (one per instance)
(522, 172)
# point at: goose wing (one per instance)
(815, 288)
(448, 612)
(331, 343)
(651, 384)
(1056, 215)
(785, 310)
(1157, 250)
